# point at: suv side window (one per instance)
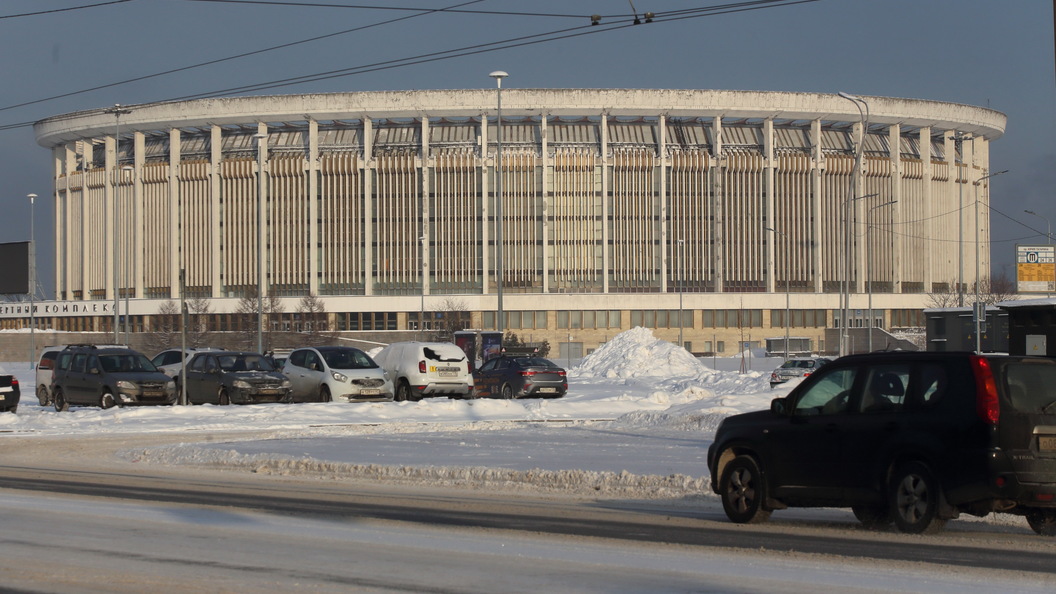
(829, 395)
(198, 363)
(311, 361)
(885, 388)
(64, 361)
(79, 361)
(933, 382)
(47, 360)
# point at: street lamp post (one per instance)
(32, 285)
(262, 140)
(869, 266)
(681, 275)
(855, 173)
(788, 291)
(1048, 227)
(421, 315)
(498, 75)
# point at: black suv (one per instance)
(108, 376)
(910, 438)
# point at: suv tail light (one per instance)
(14, 382)
(421, 367)
(986, 405)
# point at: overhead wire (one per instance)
(68, 9)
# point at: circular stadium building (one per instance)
(717, 218)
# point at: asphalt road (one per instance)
(225, 516)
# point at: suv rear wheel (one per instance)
(107, 400)
(914, 498)
(1042, 521)
(42, 396)
(743, 491)
(403, 391)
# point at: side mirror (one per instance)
(94, 371)
(779, 407)
(214, 370)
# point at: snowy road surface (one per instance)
(634, 428)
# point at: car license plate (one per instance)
(369, 392)
(1047, 443)
(547, 390)
(270, 391)
(447, 371)
(152, 393)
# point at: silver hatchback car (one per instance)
(332, 373)
(795, 368)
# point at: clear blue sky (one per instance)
(997, 54)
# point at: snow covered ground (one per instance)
(637, 422)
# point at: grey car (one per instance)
(234, 377)
(87, 375)
(796, 368)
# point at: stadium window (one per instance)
(487, 320)
(540, 320)
(636, 318)
(562, 319)
(589, 319)
(615, 319)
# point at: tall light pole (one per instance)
(869, 265)
(32, 285)
(1048, 228)
(854, 189)
(978, 183)
(421, 315)
(262, 140)
(118, 112)
(498, 75)
(788, 290)
(681, 276)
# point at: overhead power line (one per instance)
(54, 10)
(587, 29)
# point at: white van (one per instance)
(421, 369)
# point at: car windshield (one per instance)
(535, 362)
(126, 363)
(445, 353)
(348, 359)
(798, 364)
(235, 363)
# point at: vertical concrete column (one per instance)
(314, 266)
(771, 212)
(668, 261)
(110, 196)
(175, 224)
(485, 205)
(950, 268)
(859, 208)
(87, 164)
(140, 150)
(216, 145)
(817, 168)
(368, 205)
(716, 205)
(928, 197)
(606, 174)
(547, 193)
(426, 215)
(62, 225)
(264, 204)
(894, 134)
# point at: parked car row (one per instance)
(115, 375)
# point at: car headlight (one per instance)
(339, 376)
(170, 385)
(242, 385)
(126, 385)
(287, 383)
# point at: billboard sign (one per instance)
(1035, 268)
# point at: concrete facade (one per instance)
(627, 205)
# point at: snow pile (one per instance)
(637, 353)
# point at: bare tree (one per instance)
(453, 315)
(198, 312)
(994, 289)
(165, 328)
(315, 326)
(246, 312)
